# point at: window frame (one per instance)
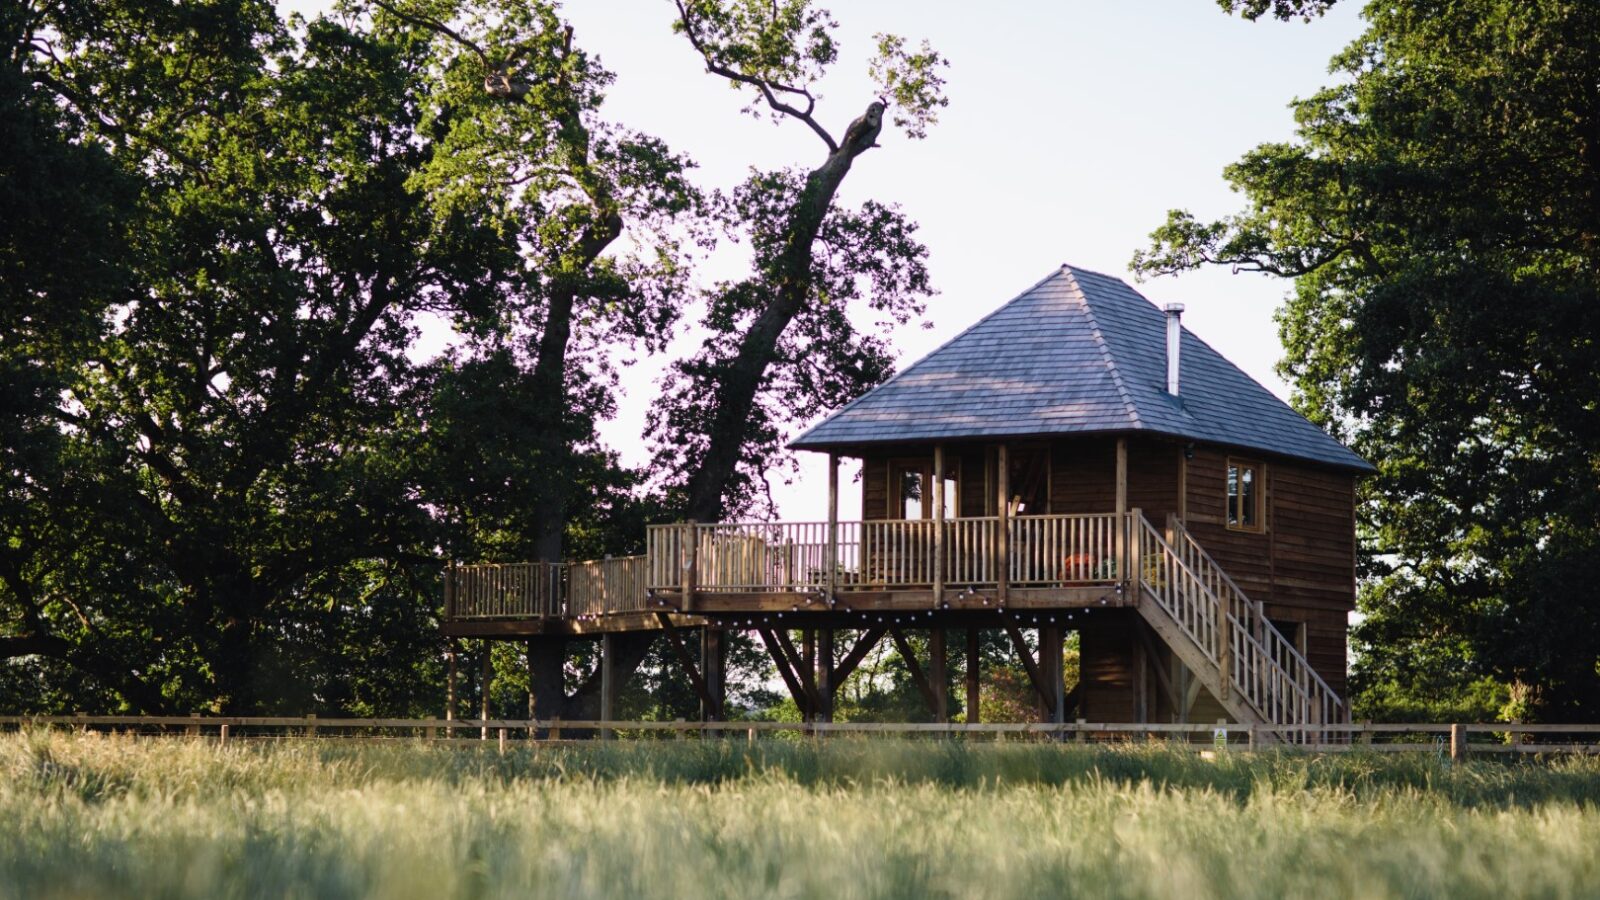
(922, 465)
(1260, 482)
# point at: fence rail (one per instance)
(1502, 737)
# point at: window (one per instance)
(1244, 496)
(911, 484)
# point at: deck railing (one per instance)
(503, 590)
(540, 590)
(1061, 549)
(883, 554)
(601, 586)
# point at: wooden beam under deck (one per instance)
(1021, 598)
(592, 627)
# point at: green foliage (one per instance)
(1436, 212)
(86, 816)
(912, 80)
(1305, 10)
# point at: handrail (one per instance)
(878, 554)
(1268, 673)
(1277, 646)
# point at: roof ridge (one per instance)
(1105, 347)
(934, 352)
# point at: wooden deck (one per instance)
(984, 572)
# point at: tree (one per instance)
(514, 106)
(221, 514)
(1438, 214)
(780, 345)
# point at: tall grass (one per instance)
(86, 816)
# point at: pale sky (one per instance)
(1073, 126)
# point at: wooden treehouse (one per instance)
(1076, 461)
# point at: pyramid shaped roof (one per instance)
(1077, 353)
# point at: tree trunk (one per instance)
(737, 386)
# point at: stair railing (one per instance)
(1252, 657)
(1268, 668)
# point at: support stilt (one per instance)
(713, 667)
(450, 680)
(938, 675)
(1050, 652)
(609, 686)
(824, 674)
(485, 686)
(974, 675)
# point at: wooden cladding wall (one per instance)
(1083, 476)
(1302, 565)
(875, 487)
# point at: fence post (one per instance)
(311, 727)
(1516, 736)
(222, 736)
(193, 730)
(1080, 737)
(1458, 743)
(1366, 735)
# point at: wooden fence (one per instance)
(1455, 740)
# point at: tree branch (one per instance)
(769, 89)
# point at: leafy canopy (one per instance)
(1438, 214)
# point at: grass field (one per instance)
(97, 816)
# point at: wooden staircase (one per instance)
(1224, 638)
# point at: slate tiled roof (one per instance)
(1077, 353)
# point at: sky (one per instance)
(1073, 126)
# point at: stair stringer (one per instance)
(1196, 661)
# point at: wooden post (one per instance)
(1141, 679)
(1002, 542)
(938, 526)
(713, 666)
(1053, 706)
(450, 590)
(222, 735)
(974, 674)
(488, 682)
(1125, 525)
(1366, 735)
(1458, 743)
(939, 675)
(824, 674)
(1122, 474)
(450, 681)
(691, 564)
(1183, 485)
(608, 683)
(832, 575)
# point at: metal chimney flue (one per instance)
(1174, 345)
